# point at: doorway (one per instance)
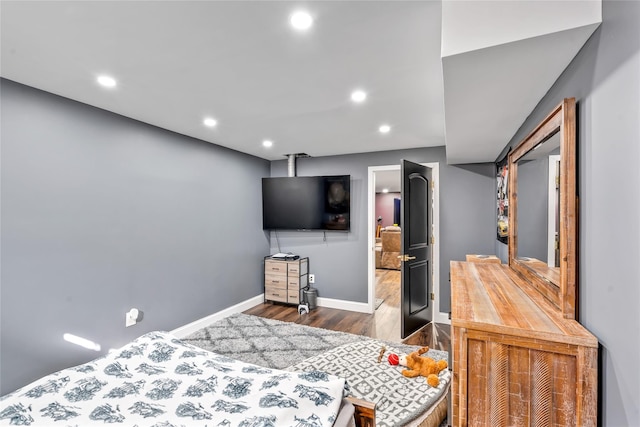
(376, 175)
(553, 220)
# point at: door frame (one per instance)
(438, 317)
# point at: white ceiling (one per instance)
(177, 62)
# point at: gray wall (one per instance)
(340, 263)
(101, 214)
(605, 80)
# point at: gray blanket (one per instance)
(399, 400)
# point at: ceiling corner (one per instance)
(494, 80)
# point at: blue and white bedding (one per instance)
(159, 381)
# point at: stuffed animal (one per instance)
(422, 365)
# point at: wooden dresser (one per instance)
(284, 280)
(483, 258)
(516, 360)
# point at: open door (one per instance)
(416, 214)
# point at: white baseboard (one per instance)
(360, 307)
(186, 330)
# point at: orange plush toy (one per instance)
(422, 365)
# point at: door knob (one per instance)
(406, 257)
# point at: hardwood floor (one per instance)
(388, 286)
(387, 316)
(383, 324)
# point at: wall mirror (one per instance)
(543, 204)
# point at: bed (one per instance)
(378, 389)
(161, 381)
(158, 380)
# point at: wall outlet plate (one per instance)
(128, 320)
(132, 317)
(312, 278)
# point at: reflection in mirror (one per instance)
(538, 214)
(553, 222)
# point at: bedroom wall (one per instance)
(605, 80)
(340, 263)
(100, 214)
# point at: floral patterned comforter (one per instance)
(159, 381)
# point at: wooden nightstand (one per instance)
(284, 280)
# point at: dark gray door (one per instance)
(416, 215)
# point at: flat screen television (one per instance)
(306, 203)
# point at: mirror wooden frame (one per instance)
(562, 295)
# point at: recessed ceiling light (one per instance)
(301, 20)
(358, 96)
(107, 81)
(210, 122)
(266, 143)
(384, 129)
(385, 190)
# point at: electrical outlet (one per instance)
(312, 278)
(132, 317)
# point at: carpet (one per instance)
(271, 343)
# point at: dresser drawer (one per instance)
(275, 281)
(293, 267)
(293, 282)
(275, 267)
(275, 294)
(293, 296)
(297, 268)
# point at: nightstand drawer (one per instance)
(275, 267)
(293, 296)
(293, 268)
(275, 294)
(275, 281)
(293, 283)
(297, 268)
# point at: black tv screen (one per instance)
(306, 203)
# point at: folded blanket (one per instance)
(398, 399)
